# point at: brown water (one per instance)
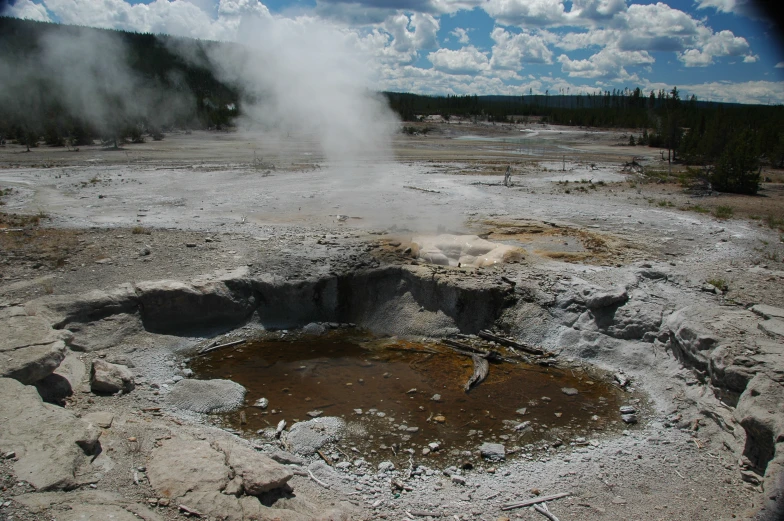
(393, 382)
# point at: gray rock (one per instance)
(772, 327)
(768, 311)
(261, 403)
(603, 299)
(224, 299)
(629, 418)
(180, 466)
(570, 391)
(207, 396)
(285, 458)
(758, 413)
(458, 480)
(386, 466)
(108, 332)
(61, 310)
(314, 328)
(59, 385)
(33, 363)
(307, 437)
(30, 349)
(50, 442)
(102, 419)
(110, 378)
(492, 451)
(628, 409)
(258, 472)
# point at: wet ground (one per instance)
(397, 395)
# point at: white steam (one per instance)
(303, 78)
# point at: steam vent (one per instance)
(253, 289)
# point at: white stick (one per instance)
(317, 480)
(546, 512)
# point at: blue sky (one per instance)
(721, 50)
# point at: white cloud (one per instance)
(723, 43)
(512, 50)
(595, 10)
(412, 33)
(29, 10)
(176, 17)
(461, 35)
(467, 60)
(536, 13)
(779, 65)
(738, 7)
(607, 64)
(761, 92)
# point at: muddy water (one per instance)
(395, 384)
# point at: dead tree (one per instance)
(508, 176)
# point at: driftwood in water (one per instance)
(481, 368)
(467, 350)
(487, 335)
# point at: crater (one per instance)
(399, 398)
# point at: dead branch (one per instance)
(189, 511)
(220, 346)
(422, 189)
(487, 335)
(317, 480)
(326, 458)
(534, 501)
(546, 512)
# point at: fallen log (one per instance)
(220, 346)
(481, 368)
(487, 335)
(534, 501)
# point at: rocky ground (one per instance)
(134, 259)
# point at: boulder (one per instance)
(307, 437)
(603, 299)
(107, 378)
(197, 474)
(314, 328)
(773, 327)
(258, 472)
(50, 442)
(207, 396)
(29, 348)
(32, 363)
(180, 466)
(759, 411)
(59, 385)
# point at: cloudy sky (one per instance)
(721, 50)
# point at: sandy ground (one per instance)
(195, 203)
